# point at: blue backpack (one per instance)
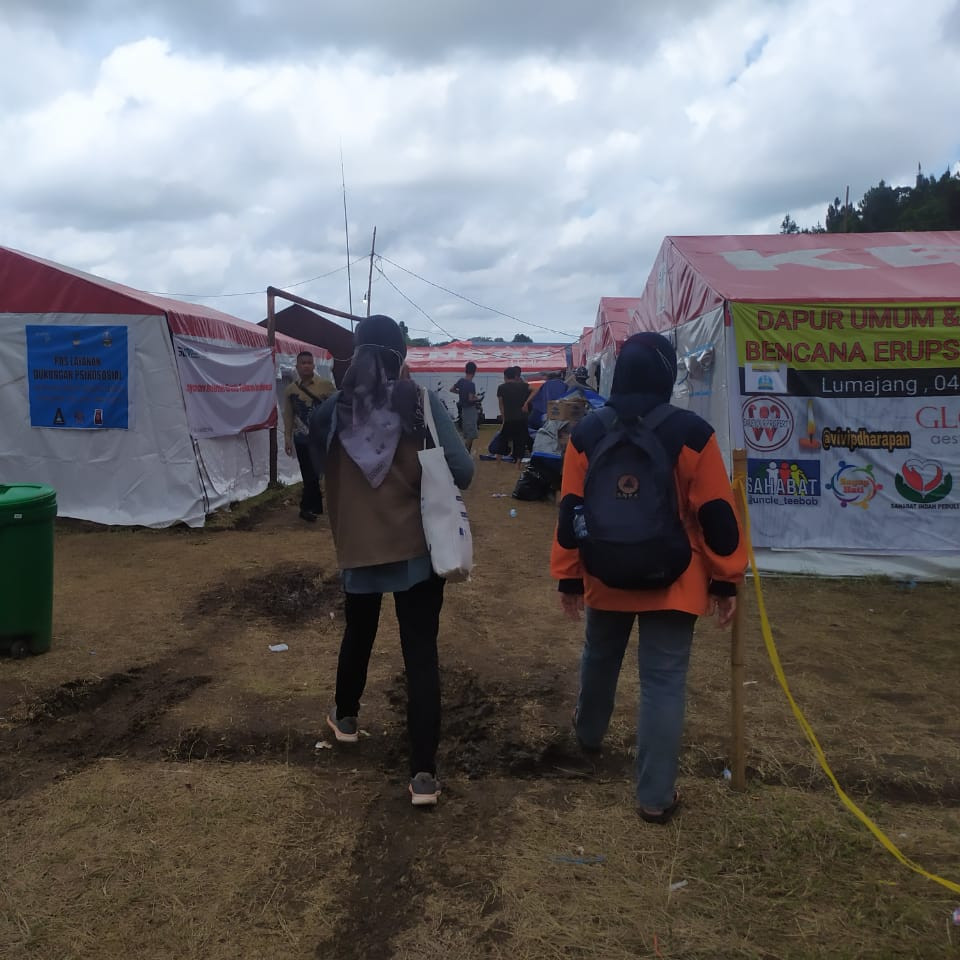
(629, 530)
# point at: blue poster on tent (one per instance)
(77, 377)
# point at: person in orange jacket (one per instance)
(643, 379)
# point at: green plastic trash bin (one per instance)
(27, 512)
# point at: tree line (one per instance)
(930, 204)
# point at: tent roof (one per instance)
(489, 357)
(615, 319)
(692, 275)
(30, 284)
(581, 348)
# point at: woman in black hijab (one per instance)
(365, 440)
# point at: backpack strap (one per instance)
(659, 415)
(592, 429)
(607, 416)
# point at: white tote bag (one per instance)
(445, 523)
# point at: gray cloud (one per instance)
(416, 29)
(533, 173)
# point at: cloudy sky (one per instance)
(527, 156)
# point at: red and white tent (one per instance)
(834, 361)
(616, 317)
(581, 349)
(136, 408)
(438, 368)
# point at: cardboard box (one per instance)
(572, 408)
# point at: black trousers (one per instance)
(312, 497)
(516, 434)
(418, 614)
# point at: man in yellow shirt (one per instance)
(299, 400)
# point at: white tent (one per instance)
(135, 408)
(833, 360)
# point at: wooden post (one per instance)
(370, 274)
(272, 294)
(738, 747)
(272, 342)
(304, 302)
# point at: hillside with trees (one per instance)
(930, 204)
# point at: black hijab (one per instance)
(375, 407)
(644, 375)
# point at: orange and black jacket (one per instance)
(706, 504)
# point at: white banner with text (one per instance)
(226, 390)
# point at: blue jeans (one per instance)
(663, 655)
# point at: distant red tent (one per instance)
(615, 320)
(581, 349)
(489, 357)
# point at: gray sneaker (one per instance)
(424, 790)
(346, 729)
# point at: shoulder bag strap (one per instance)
(428, 420)
(309, 393)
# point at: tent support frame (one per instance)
(272, 294)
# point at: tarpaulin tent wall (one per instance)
(834, 361)
(136, 408)
(439, 368)
(581, 349)
(615, 320)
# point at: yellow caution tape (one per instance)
(802, 720)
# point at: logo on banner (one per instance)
(767, 423)
(943, 418)
(784, 482)
(764, 378)
(923, 481)
(854, 485)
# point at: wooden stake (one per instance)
(738, 747)
(272, 342)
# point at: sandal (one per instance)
(661, 816)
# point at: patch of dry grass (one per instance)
(179, 860)
(774, 873)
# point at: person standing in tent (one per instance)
(712, 558)
(365, 439)
(467, 404)
(511, 395)
(299, 399)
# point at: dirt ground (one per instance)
(168, 788)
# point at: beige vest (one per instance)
(370, 526)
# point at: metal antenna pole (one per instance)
(346, 232)
(370, 274)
